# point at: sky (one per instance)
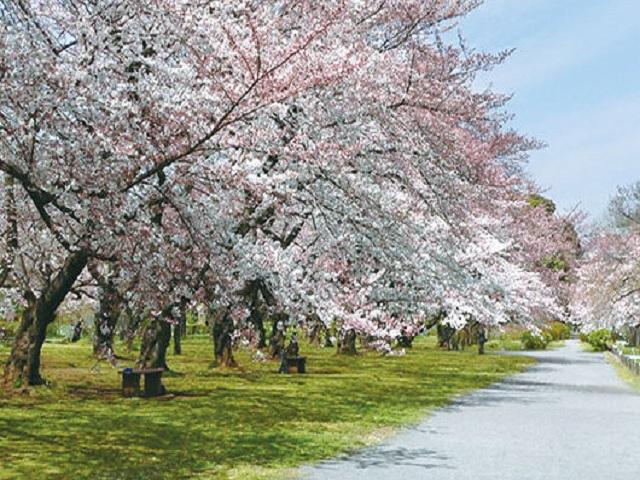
(575, 80)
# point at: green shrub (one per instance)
(558, 331)
(534, 341)
(600, 339)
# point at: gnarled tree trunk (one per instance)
(347, 342)
(405, 340)
(106, 320)
(482, 339)
(23, 365)
(259, 297)
(256, 318)
(316, 329)
(183, 324)
(277, 344)
(179, 325)
(177, 338)
(155, 341)
(446, 336)
(222, 333)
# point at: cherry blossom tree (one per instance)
(607, 294)
(101, 101)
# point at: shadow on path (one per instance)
(392, 457)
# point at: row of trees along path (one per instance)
(321, 162)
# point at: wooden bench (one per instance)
(298, 362)
(152, 382)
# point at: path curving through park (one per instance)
(568, 417)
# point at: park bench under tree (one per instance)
(299, 363)
(152, 382)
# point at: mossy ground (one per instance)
(243, 423)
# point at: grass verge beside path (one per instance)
(515, 345)
(246, 423)
(623, 372)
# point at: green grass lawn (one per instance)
(245, 423)
(503, 345)
(623, 372)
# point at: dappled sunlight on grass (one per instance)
(244, 423)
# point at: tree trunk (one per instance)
(179, 325)
(277, 344)
(347, 343)
(256, 319)
(106, 320)
(23, 366)
(183, 324)
(11, 232)
(225, 357)
(482, 339)
(635, 336)
(316, 328)
(446, 337)
(129, 325)
(252, 292)
(177, 341)
(222, 333)
(328, 343)
(155, 341)
(404, 339)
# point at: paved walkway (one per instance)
(569, 417)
